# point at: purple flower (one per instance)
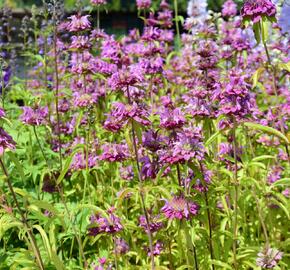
(34, 117)
(157, 249)
(154, 224)
(124, 78)
(98, 2)
(2, 113)
(152, 140)
(187, 146)
(79, 162)
(255, 9)
(149, 168)
(80, 42)
(121, 113)
(229, 8)
(110, 224)
(114, 152)
(269, 258)
(78, 23)
(122, 246)
(152, 65)
(180, 208)
(171, 119)
(234, 97)
(6, 75)
(6, 141)
(127, 173)
(143, 4)
(275, 174)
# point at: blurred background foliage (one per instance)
(113, 5)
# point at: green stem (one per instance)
(24, 220)
(208, 218)
(57, 89)
(177, 23)
(82, 256)
(276, 94)
(141, 188)
(236, 198)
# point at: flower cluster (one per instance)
(109, 224)
(180, 208)
(255, 9)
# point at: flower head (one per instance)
(98, 2)
(122, 246)
(6, 141)
(171, 119)
(229, 8)
(269, 257)
(114, 152)
(34, 117)
(255, 9)
(78, 23)
(154, 223)
(180, 208)
(110, 224)
(141, 4)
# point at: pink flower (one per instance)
(143, 4)
(229, 8)
(255, 9)
(171, 119)
(6, 141)
(114, 152)
(98, 2)
(78, 23)
(269, 258)
(180, 208)
(34, 117)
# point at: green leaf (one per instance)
(285, 66)
(282, 182)
(18, 165)
(257, 75)
(212, 138)
(222, 264)
(263, 157)
(257, 32)
(57, 262)
(44, 239)
(267, 129)
(265, 29)
(67, 164)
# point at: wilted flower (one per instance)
(255, 9)
(179, 208)
(269, 257)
